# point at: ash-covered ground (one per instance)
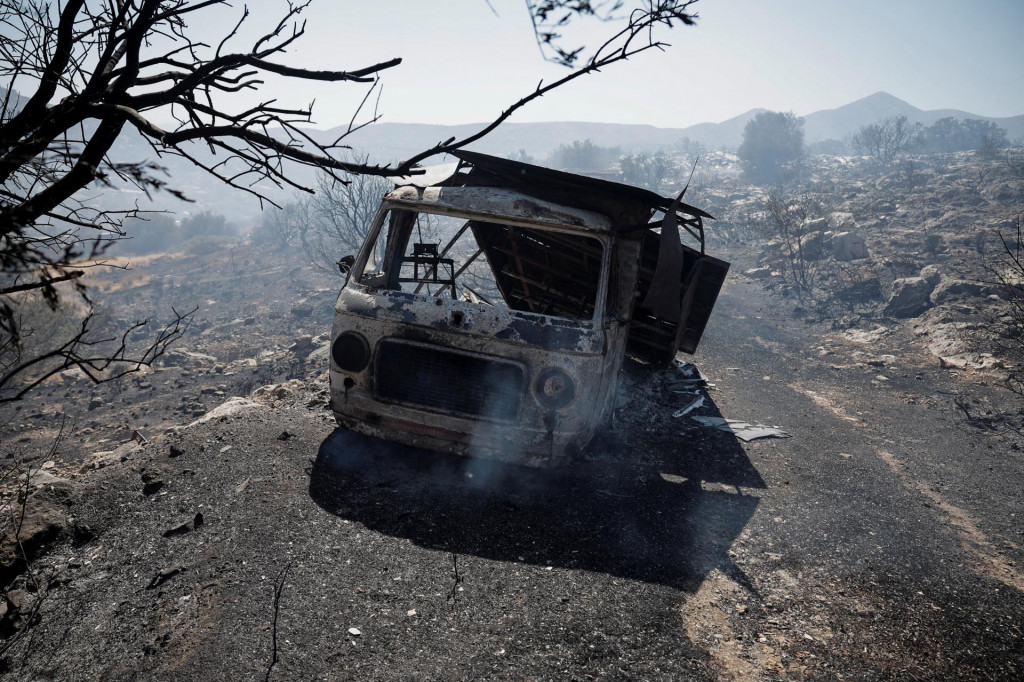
(247, 537)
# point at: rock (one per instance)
(954, 289)
(277, 391)
(842, 220)
(95, 403)
(302, 310)
(164, 575)
(355, 632)
(320, 354)
(103, 459)
(41, 526)
(184, 527)
(909, 298)
(758, 273)
(190, 359)
(812, 246)
(816, 225)
(230, 407)
(70, 376)
(847, 246)
(302, 345)
(152, 487)
(43, 479)
(19, 601)
(931, 274)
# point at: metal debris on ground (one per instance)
(745, 431)
(689, 408)
(690, 378)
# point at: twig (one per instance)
(453, 593)
(278, 588)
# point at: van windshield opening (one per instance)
(528, 269)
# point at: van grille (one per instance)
(438, 378)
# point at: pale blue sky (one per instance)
(464, 64)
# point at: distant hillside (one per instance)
(848, 119)
(394, 140)
(385, 142)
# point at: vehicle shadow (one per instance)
(667, 516)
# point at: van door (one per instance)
(657, 338)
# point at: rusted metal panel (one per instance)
(657, 339)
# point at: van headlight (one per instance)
(351, 352)
(554, 388)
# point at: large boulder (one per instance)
(909, 298)
(955, 289)
(847, 246)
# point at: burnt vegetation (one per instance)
(1005, 271)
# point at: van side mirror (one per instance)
(346, 263)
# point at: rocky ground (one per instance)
(261, 318)
(246, 537)
(913, 247)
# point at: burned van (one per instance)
(491, 306)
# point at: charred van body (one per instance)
(490, 309)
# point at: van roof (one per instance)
(492, 204)
(627, 207)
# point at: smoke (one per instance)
(606, 512)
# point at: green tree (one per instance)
(773, 145)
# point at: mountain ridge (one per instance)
(386, 142)
(541, 138)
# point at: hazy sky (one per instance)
(464, 61)
(464, 64)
